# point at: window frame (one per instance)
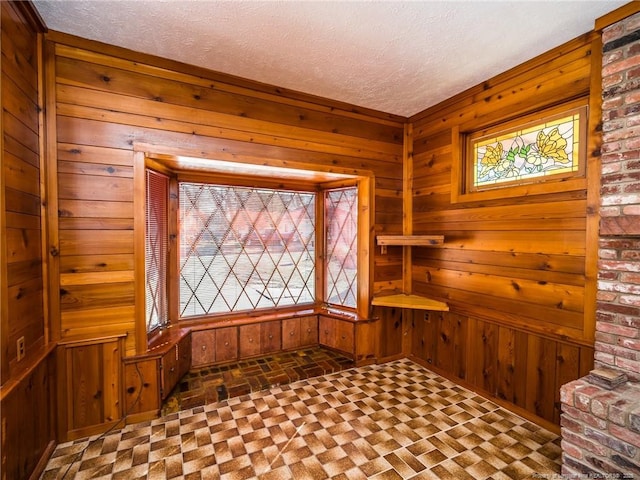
(170, 163)
(462, 189)
(325, 237)
(213, 315)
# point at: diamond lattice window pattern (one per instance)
(341, 211)
(245, 248)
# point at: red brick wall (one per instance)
(601, 425)
(618, 316)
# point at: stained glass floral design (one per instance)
(539, 150)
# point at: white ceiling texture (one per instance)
(398, 56)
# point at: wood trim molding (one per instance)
(51, 249)
(407, 204)
(594, 144)
(31, 15)
(4, 281)
(461, 162)
(618, 14)
(139, 222)
(366, 221)
(44, 195)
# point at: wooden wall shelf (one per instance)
(409, 240)
(402, 300)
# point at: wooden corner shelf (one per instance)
(409, 240)
(403, 300)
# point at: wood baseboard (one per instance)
(44, 459)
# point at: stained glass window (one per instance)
(532, 152)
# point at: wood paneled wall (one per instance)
(518, 273)
(26, 391)
(107, 101)
(22, 294)
(28, 422)
(519, 368)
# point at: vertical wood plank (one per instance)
(112, 365)
(483, 361)
(431, 321)
(139, 226)
(407, 227)
(52, 241)
(62, 379)
(417, 336)
(173, 257)
(541, 372)
(4, 304)
(444, 343)
(366, 338)
(520, 366)
(593, 191)
(460, 324)
(489, 337)
(506, 364)
(407, 204)
(44, 193)
(567, 369)
(472, 352)
(321, 231)
(391, 330)
(366, 220)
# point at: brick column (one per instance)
(618, 315)
(601, 412)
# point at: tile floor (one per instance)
(396, 420)
(212, 384)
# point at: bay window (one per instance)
(217, 244)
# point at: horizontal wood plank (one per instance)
(70, 208)
(524, 261)
(71, 47)
(75, 296)
(93, 187)
(96, 263)
(96, 278)
(95, 242)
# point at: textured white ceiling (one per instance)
(395, 56)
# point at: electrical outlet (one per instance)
(20, 348)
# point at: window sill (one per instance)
(248, 318)
(162, 340)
